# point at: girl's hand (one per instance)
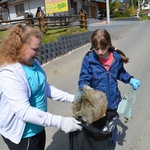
(135, 83)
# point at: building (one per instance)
(145, 5)
(16, 9)
(92, 7)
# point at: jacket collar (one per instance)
(115, 54)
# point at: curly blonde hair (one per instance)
(16, 37)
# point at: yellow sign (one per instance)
(54, 6)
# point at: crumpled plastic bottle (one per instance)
(126, 105)
(110, 126)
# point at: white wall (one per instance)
(12, 12)
(40, 3)
(31, 6)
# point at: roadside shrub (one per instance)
(116, 14)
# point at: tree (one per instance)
(114, 7)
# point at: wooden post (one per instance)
(83, 16)
(43, 28)
(40, 14)
(27, 20)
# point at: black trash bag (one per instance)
(92, 136)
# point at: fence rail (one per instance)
(46, 23)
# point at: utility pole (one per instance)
(138, 6)
(149, 6)
(132, 4)
(108, 11)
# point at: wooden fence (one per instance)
(46, 23)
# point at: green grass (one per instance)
(144, 17)
(2, 33)
(51, 35)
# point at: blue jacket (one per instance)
(96, 76)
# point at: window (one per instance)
(19, 10)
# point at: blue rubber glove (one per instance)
(78, 97)
(135, 83)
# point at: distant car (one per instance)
(137, 16)
(100, 17)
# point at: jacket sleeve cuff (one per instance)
(130, 79)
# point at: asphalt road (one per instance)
(131, 37)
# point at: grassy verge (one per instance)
(52, 35)
(144, 15)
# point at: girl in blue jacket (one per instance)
(102, 66)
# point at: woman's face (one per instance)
(102, 53)
(31, 50)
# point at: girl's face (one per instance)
(31, 50)
(102, 53)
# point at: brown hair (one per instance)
(11, 45)
(101, 39)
